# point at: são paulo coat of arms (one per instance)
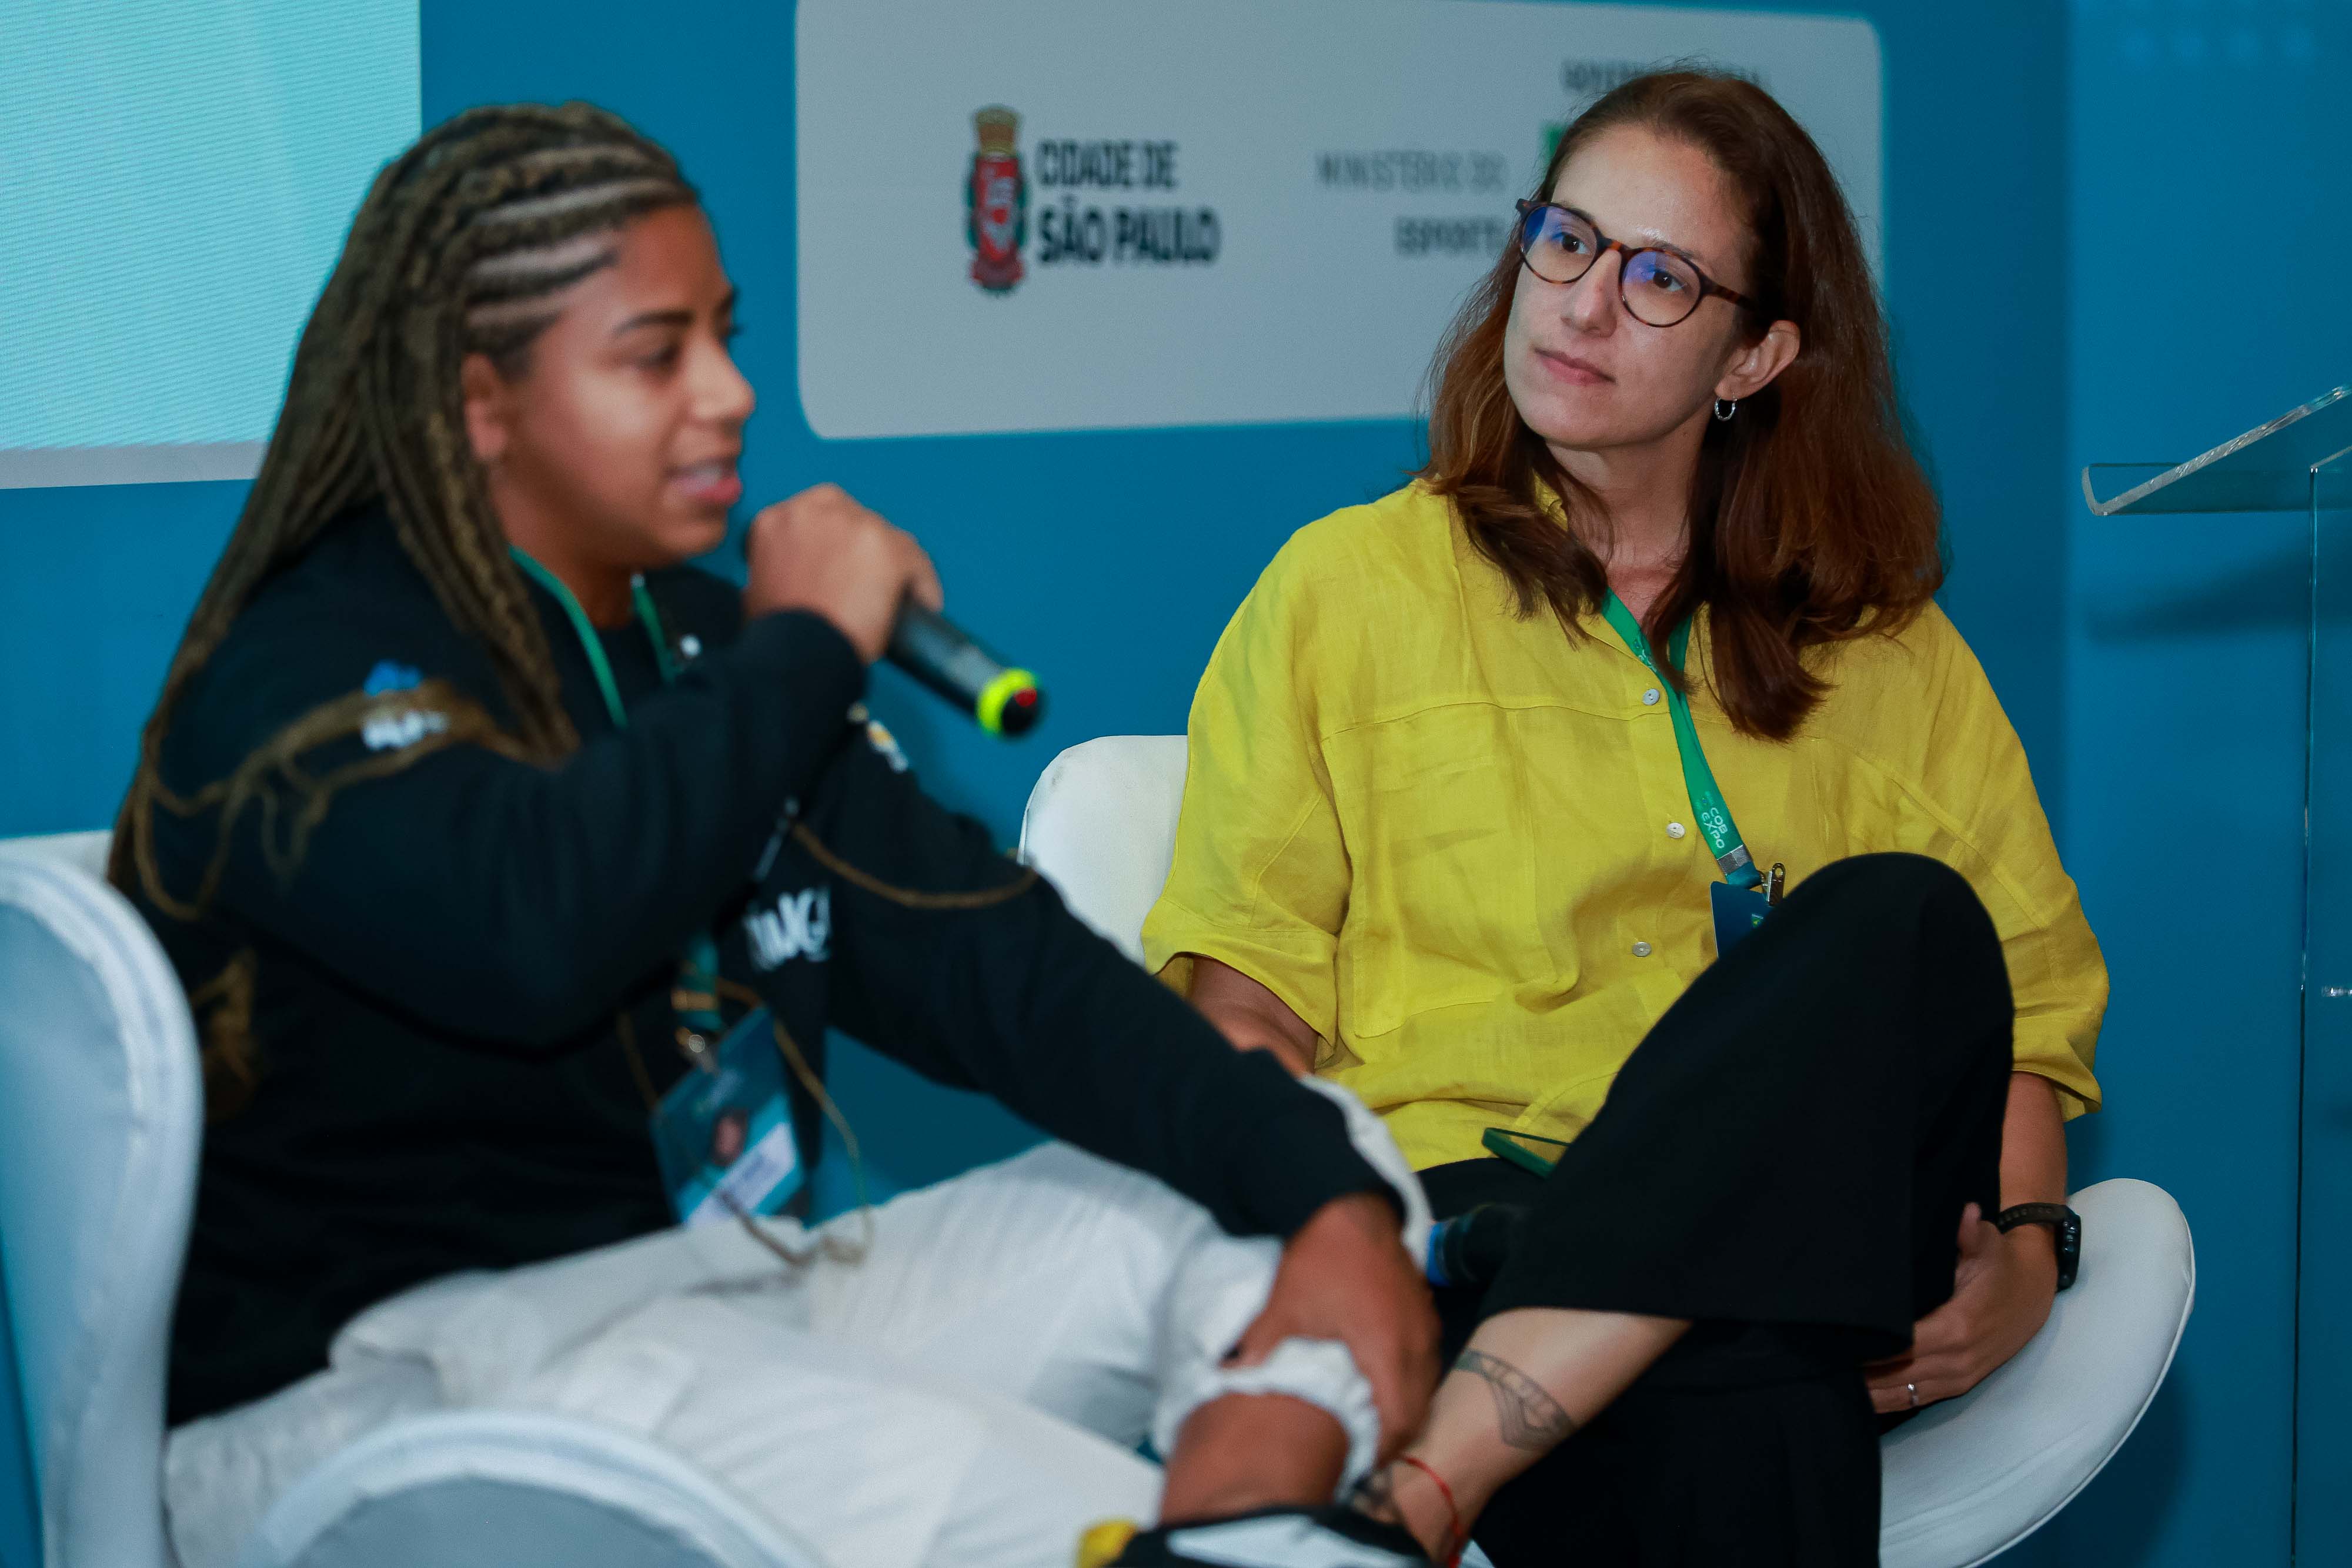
(996, 202)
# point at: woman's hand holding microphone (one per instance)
(821, 550)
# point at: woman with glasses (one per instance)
(1613, 810)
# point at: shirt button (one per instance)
(1650, 698)
(1641, 949)
(1675, 829)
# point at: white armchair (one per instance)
(100, 1117)
(1965, 1480)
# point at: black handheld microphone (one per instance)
(1471, 1248)
(1003, 699)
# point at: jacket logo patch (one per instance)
(404, 726)
(391, 676)
(799, 927)
(393, 724)
(884, 742)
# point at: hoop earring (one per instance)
(1724, 411)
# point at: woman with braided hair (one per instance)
(468, 814)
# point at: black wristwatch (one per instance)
(2063, 1223)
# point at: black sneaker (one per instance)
(1336, 1536)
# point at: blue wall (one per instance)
(2053, 182)
(2200, 158)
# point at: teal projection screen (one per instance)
(176, 177)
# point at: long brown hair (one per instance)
(461, 246)
(1810, 519)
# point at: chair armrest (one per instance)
(483, 1488)
(1972, 1476)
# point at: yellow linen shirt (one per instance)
(1444, 834)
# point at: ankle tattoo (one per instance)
(1527, 1417)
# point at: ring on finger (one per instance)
(1913, 1390)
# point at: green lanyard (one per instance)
(1731, 856)
(592, 645)
(696, 999)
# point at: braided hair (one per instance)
(464, 244)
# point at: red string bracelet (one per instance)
(1456, 1535)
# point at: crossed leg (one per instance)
(1779, 1167)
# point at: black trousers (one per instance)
(1783, 1161)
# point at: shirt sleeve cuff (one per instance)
(2056, 1062)
(1303, 983)
(1291, 1163)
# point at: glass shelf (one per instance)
(2270, 469)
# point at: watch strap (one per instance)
(2065, 1226)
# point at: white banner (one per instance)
(1069, 215)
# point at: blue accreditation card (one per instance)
(1738, 912)
(724, 1136)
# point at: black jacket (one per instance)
(440, 1082)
